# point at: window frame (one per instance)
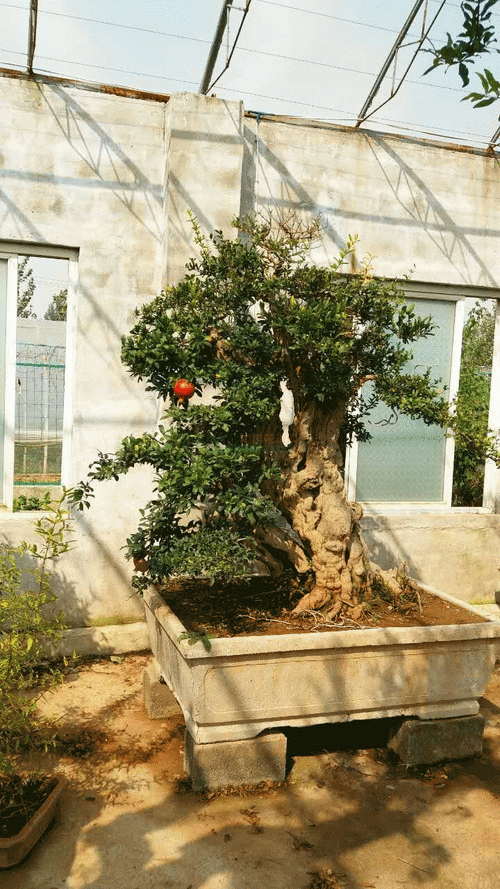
(11, 251)
(491, 491)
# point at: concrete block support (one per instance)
(235, 762)
(423, 742)
(158, 699)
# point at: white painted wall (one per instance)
(86, 170)
(113, 178)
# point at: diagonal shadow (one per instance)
(425, 211)
(422, 210)
(101, 154)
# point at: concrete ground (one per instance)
(348, 815)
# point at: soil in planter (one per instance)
(262, 606)
(20, 797)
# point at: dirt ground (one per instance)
(349, 815)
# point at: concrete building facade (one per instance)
(105, 179)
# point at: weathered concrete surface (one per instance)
(457, 552)
(203, 172)
(235, 762)
(424, 742)
(95, 641)
(369, 821)
(85, 170)
(158, 699)
(246, 684)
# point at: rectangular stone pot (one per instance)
(14, 849)
(247, 684)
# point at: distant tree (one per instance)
(58, 308)
(25, 289)
(476, 39)
(472, 405)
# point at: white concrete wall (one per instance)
(457, 551)
(417, 208)
(85, 170)
(113, 177)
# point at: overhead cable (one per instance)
(347, 115)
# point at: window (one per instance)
(407, 462)
(37, 286)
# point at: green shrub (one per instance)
(25, 630)
(32, 503)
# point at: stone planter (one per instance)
(14, 849)
(246, 685)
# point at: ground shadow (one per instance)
(350, 815)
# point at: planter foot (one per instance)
(424, 742)
(226, 763)
(158, 699)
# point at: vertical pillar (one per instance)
(491, 492)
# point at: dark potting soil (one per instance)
(20, 797)
(263, 606)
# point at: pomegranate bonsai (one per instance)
(252, 314)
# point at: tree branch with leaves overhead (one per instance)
(476, 40)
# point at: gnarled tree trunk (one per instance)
(314, 499)
(323, 537)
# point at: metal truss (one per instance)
(495, 140)
(227, 6)
(393, 58)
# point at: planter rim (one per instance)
(14, 849)
(488, 628)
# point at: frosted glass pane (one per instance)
(405, 460)
(3, 336)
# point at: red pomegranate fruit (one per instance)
(184, 389)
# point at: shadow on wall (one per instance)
(422, 211)
(111, 167)
(389, 552)
(108, 168)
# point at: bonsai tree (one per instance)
(252, 315)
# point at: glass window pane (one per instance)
(41, 347)
(405, 461)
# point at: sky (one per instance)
(307, 58)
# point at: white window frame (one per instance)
(12, 250)
(491, 492)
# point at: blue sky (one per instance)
(309, 58)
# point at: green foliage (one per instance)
(58, 307)
(194, 637)
(477, 38)
(250, 313)
(34, 502)
(25, 288)
(472, 406)
(25, 629)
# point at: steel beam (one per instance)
(32, 34)
(214, 49)
(495, 139)
(390, 58)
